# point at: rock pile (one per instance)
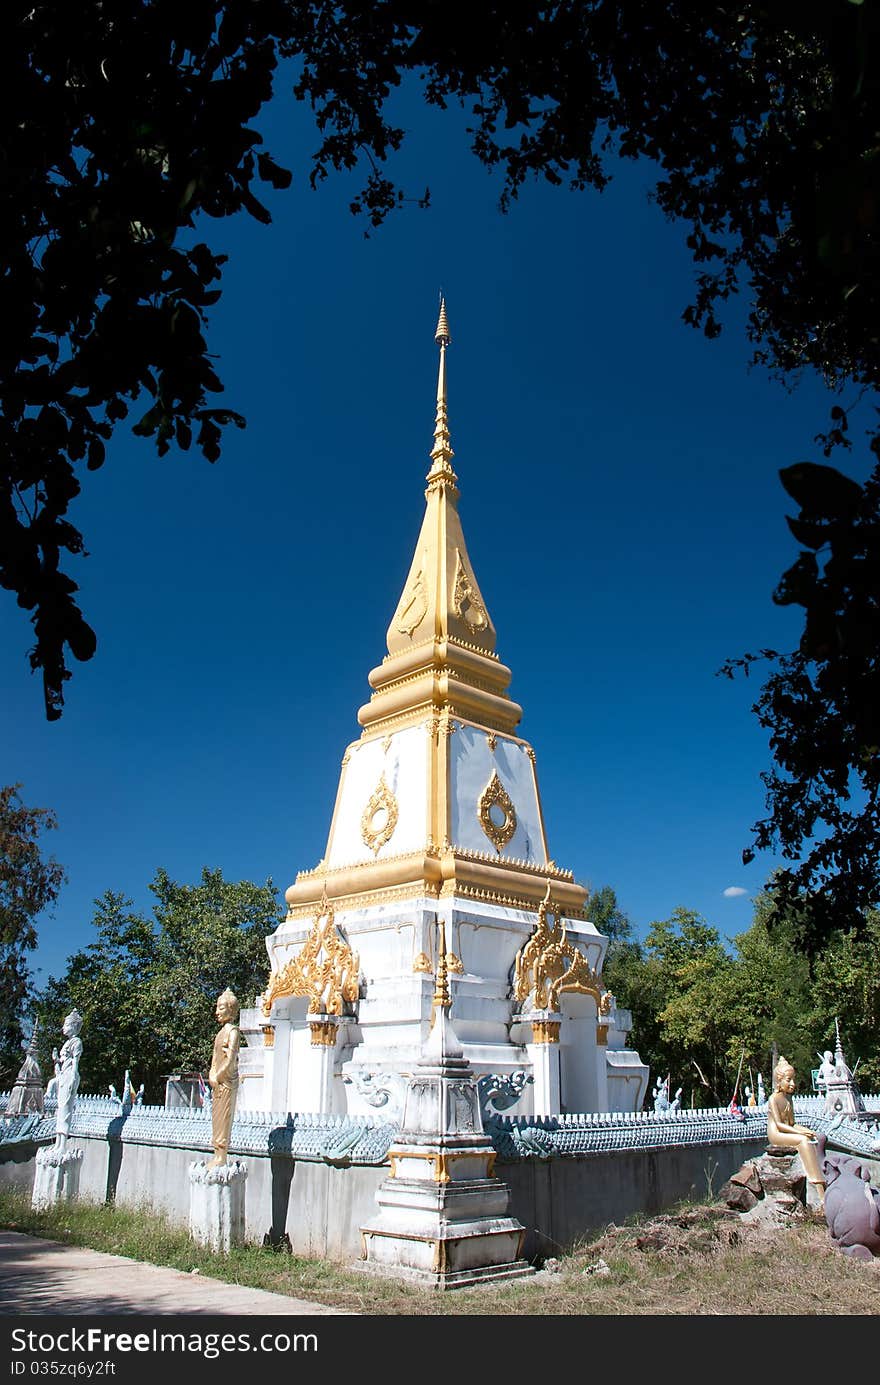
(772, 1187)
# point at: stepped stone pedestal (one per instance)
(443, 1218)
(56, 1178)
(216, 1204)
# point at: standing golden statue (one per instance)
(223, 1076)
(784, 1132)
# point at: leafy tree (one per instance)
(125, 125)
(107, 982)
(604, 911)
(210, 936)
(847, 987)
(677, 985)
(29, 883)
(769, 998)
(147, 988)
(700, 1010)
(694, 1022)
(821, 705)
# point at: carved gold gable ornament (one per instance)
(549, 964)
(379, 818)
(413, 605)
(325, 969)
(465, 601)
(496, 813)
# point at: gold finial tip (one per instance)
(442, 335)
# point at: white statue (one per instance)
(661, 1096)
(827, 1069)
(762, 1095)
(52, 1084)
(67, 1073)
(675, 1103)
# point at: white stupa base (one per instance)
(444, 1235)
(450, 1279)
(56, 1178)
(424, 1248)
(216, 1204)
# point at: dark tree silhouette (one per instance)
(126, 123)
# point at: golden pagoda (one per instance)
(438, 816)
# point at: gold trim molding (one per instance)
(268, 1036)
(381, 800)
(325, 970)
(545, 1031)
(441, 1159)
(549, 964)
(323, 1033)
(496, 796)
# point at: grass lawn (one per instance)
(696, 1259)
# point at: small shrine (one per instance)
(438, 819)
(26, 1096)
(842, 1095)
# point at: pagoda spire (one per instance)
(441, 452)
(442, 603)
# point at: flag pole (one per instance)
(739, 1071)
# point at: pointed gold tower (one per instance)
(438, 797)
(438, 831)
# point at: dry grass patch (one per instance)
(696, 1259)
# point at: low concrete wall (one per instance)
(322, 1208)
(560, 1200)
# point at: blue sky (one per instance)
(620, 498)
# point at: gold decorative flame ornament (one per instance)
(496, 813)
(325, 969)
(549, 964)
(465, 600)
(413, 605)
(379, 818)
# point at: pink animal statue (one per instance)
(852, 1207)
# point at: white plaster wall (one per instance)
(588, 940)
(577, 1053)
(404, 766)
(323, 1208)
(471, 766)
(627, 1079)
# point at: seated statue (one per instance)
(783, 1132)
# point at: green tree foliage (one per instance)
(694, 973)
(107, 982)
(821, 706)
(29, 883)
(847, 987)
(701, 1008)
(147, 988)
(769, 998)
(604, 911)
(677, 984)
